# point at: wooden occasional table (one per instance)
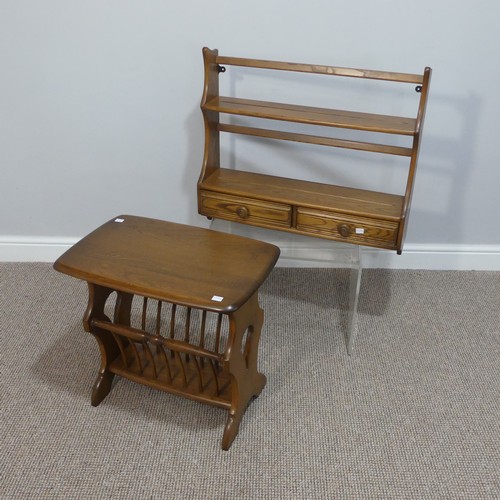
(185, 312)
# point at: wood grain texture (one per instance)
(358, 230)
(305, 193)
(186, 267)
(172, 262)
(321, 69)
(250, 210)
(414, 157)
(312, 115)
(236, 196)
(314, 139)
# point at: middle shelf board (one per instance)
(313, 115)
(314, 139)
(308, 194)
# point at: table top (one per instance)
(173, 262)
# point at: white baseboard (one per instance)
(33, 249)
(415, 256)
(436, 257)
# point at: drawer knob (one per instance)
(242, 212)
(344, 229)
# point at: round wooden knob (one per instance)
(242, 212)
(344, 229)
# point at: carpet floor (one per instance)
(413, 413)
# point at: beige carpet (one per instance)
(414, 413)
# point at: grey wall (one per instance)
(99, 103)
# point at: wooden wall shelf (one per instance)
(342, 213)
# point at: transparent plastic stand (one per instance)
(306, 251)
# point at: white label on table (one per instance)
(119, 220)
(217, 298)
(360, 230)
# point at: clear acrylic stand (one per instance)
(305, 251)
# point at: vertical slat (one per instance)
(158, 318)
(172, 321)
(202, 333)
(200, 377)
(216, 379)
(136, 354)
(187, 328)
(121, 347)
(172, 324)
(188, 325)
(144, 310)
(145, 347)
(165, 358)
(183, 368)
(217, 333)
(202, 328)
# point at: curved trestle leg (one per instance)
(241, 360)
(98, 296)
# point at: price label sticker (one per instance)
(119, 220)
(217, 298)
(360, 230)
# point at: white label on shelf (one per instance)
(217, 298)
(360, 230)
(119, 220)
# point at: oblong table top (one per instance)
(173, 262)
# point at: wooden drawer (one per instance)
(247, 210)
(352, 229)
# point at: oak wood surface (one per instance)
(172, 262)
(342, 226)
(215, 184)
(314, 139)
(203, 271)
(415, 154)
(321, 69)
(312, 115)
(192, 376)
(305, 193)
(249, 209)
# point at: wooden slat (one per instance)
(165, 360)
(172, 321)
(136, 335)
(202, 328)
(320, 69)
(144, 312)
(149, 354)
(182, 367)
(216, 378)
(313, 115)
(313, 139)
(217, 333)
(187, 325)
(200, 376)
(127, 331)
(158, 318)
(136, 354)
(123, 352)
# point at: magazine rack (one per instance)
(186, 317)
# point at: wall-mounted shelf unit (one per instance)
(358, 216)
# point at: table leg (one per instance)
(98, 296)
(241, 361)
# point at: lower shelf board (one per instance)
(177, 373)
(332, 212)
(308, 194)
